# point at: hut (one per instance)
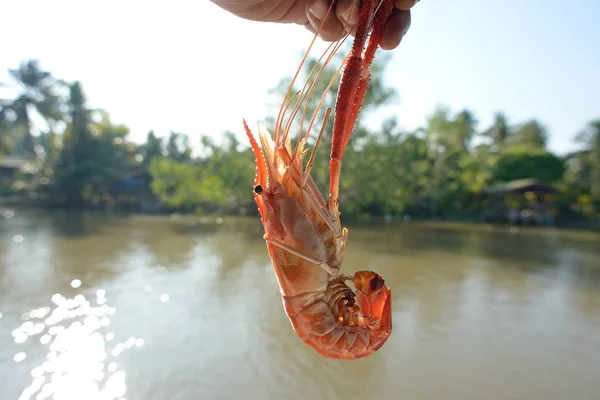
(14, 168)
(523, 202)
(134, 193)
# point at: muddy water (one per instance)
(155, 308)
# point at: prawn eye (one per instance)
(258, 189)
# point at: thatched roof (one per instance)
(521, 186)
(12, 162)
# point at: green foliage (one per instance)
(220, 181)
(499, 132)
(386, 176)
(590, 158)
(526, 161)
(186, 186)
(151, 149)
(94, 155)
(530, 133)
(178, 147)
(37, 94)
(437, 171)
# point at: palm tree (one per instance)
(4, 140)
(590, 137)
(499, 131)
(531, 133)
(37, 94)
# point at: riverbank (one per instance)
(191, 221)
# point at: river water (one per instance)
(158, 308)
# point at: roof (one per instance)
(521, 186)
(12, 162)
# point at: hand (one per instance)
(311, 13)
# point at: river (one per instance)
(159, 308)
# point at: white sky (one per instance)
(188, 66)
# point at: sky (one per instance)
(189, 66)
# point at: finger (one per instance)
(310, 28)
(347, 12)
(405, 4)
(395, 29)
(332, 27)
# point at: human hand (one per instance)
(311, 13)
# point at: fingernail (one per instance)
(350, 14)
(319, 9)
(406, 25)
(346, 14)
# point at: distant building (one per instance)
(133, 193)
(12, 167)
(523, 201)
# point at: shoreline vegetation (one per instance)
(57, 153)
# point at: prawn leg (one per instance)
(300, 254)
(353, 87)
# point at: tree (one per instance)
(523, 161)
(37, 95)
(73, 168)
(499, 132)
(530, 133)
(377, 95)
(153, 147)
(449, 140)
(464, 130)
(590, 137)
(178, 148)
(94, 156)
(187, 186)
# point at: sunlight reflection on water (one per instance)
(80, 362)
(8, 214)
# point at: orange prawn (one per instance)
(303, 234)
